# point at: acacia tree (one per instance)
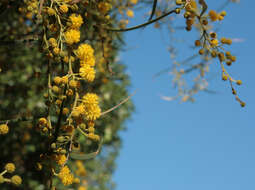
(64, 93)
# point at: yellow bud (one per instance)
(238, 82)
(76, 180)
(69, 92)
(201, 51)
(232, 58)
(42, 121)
(55, 89)
(4, 129)
(73, 84)
(10, 167)
(178, 2)
(16, 180)
(63, 8)
(51, 11)
(57, 80)
(213, 35)
(242, 104)
(224, 77)
(65, 111)
(223, 13)
(56, 50)
(38, 166)
(177, 11)
(229, 63)
(221, 56)
(197, 43)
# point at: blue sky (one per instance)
(206, 145)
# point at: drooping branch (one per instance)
(154, 6)
(141, 25)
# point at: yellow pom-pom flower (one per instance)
(68, 179)
(72, 36)
(10, 167)
(82, 188)
(4, 129)
(77, 111)
(91, 62)
(65, 176)
(90, 99)
(92, 112)
(63, 8)
(60, 159)
(213, 15)
(214, 42)
(130, 13)
(53, 42)
(57, 80)
(133, 1)
(76, 21)
(16, 180)
(85, 52)
(88, 73)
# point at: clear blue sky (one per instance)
(206, 145)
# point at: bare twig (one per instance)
(154, 6)
(118, 105)
(40, 7)
(141, 25)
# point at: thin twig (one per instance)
(118, 105)
(154, 6)
(40, 7)
(141, 25)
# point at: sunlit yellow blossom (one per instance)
(73, 83)
(16, 180)
(223, 13)
(63, 8)
(4, 129)
(214, 42)
(91, 62)
(65, 176)
(67, 179)
(10, 167)
(72, 36)
(130, 13)
(90, 99)
(64, 171)
(56, 50)
(79, 110)
(92, 112)
(53, 42)
(85, 52)
(82, 188)
(213, 15)
(76, 21)
(133, 1)
(57, 80)
(60, 159)
(88, 73)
